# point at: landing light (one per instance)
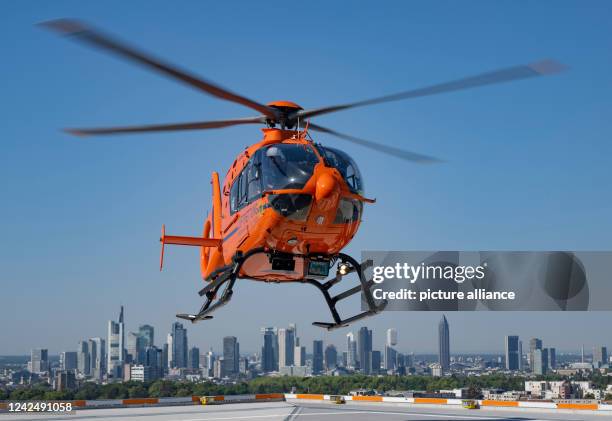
(343, 269)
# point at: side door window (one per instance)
(234, 191)
(247, 186)
(253, 175)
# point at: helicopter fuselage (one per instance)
(289, 196)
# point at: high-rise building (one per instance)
(97, 358)
(552, 358)
(136, 345)
(299, 356)
(286, 345)
(68, 361)
(210, 363)
(116, 347)
(83, 360)
(540, 361)
(392, 337)
(147, 333)
(165, 357)
(520, 356)
(243, 365)
(364, 354)
(39, 359)
(390, 357)
(331, 357)
(194, 358)
(351, 350)
(218, 368)
(375, 362)
(64, 380)
(231, 356)
(170, 346)
(179, 346)
(600, 356)
(512, 353)
(534, 343)
(269, 351)
(154, 360)
(317, 357)
(444, 344)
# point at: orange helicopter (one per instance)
(287, 206)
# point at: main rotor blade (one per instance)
(199, 125)
(97, 39)
(379, 147)
(541, 68)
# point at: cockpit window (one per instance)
(287, 166)
(347, 167)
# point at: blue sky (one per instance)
(528, 162)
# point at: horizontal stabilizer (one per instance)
(185, 241)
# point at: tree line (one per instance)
(285, 384)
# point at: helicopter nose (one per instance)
(325, 185)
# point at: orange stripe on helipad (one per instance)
(499, 403)
(588, 406)
(310, 396)
(367, 398)
(435, 401)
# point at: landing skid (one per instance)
(227, 275)
(364, 287)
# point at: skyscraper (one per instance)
(534, 343)
(135, 348)
(600, 356)
(154, 360)
(375, 362)
(286, 345)
(68, 361)
(299, 356)
(116, 347)
(540, 361)
(331, 357)
(351, 350)
(194, 358)
(512, 353)
(390, 357)
(552, 358)
(269, 362)
(97, 358)
(83, 360)
(179, 349)
(317, 357)
(444, 344)
(231, 356)
(147, 332)
(39, 359)
(392, 337)
(365, 350)
(210, 363)
(169, 346)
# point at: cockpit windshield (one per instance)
(287, 166)
(347, 167)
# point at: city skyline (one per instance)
(387, 339)
(284, 354)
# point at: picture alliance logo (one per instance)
(413, 273)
